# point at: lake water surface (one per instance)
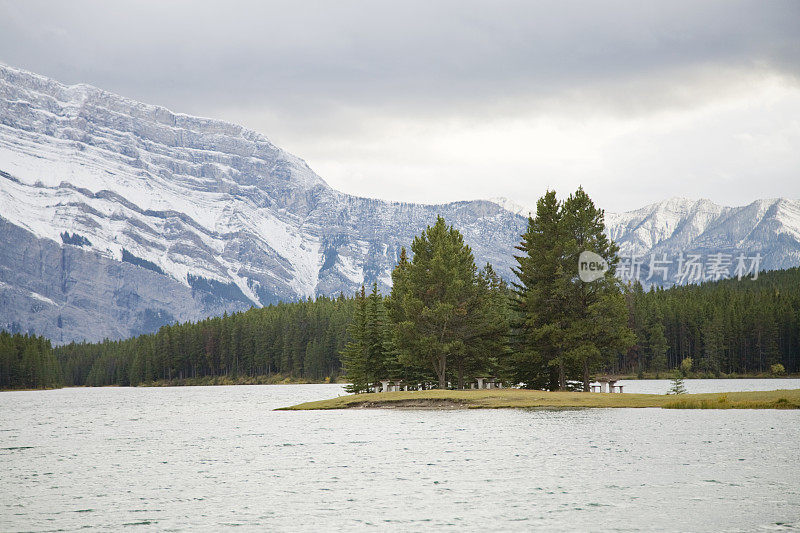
(210, 458)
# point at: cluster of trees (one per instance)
(27, 362)
(726, 327)
(566, 328)
(446, 322)
(301, 339)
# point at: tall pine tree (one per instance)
(565, 323)
(436, 303)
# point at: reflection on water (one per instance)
(213, 457)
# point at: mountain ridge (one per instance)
(657, 227)
(220, 218)
(196, 199)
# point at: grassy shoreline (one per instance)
(520, 398)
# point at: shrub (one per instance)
(777, 369)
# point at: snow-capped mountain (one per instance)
(514, 207)
(769, 229)
(117, 217)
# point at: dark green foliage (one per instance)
(441, 308)
(300, 340)
(74, 239)
(540, 299)
(227, 291)
(597, 328)
(490, 352)
(566, 328)
(655, 343)
(726, 327)
(27, 362)
(369, 356)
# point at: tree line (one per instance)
(726, 327)
(446, 322)
(300, 339)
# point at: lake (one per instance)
(213, 458)
(697, 386)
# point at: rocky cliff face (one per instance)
(68, 293)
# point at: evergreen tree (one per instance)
(27, 362)
(491, 354)
(634, 296)
(656, 341)
(355, 355)
(597, 325)
(713, 344)
(380, 354)
(436, 302)
(540, 299)
(677, 386)
(566, 323)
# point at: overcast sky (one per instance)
(440, 101)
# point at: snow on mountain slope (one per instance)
(132, 175)
(212, 206)
(514, 207)
(770, 228)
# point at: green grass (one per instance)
(783, 399)
(520, 398)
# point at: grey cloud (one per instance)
(315, 55)
(366, 90)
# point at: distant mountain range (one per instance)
(117, 217)
(767, 229)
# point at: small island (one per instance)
(537, 399)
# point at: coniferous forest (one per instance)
(27, 362)
(726, 327)
(447, 321)
(300, 340)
